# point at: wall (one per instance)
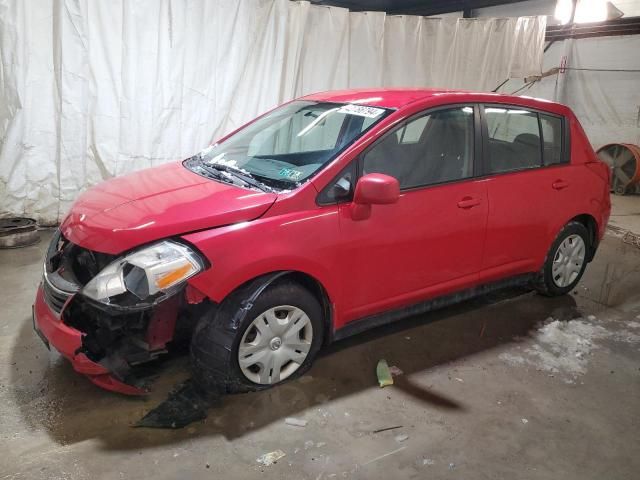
(520, 9)
(92, 90)
(607, 103)
(630, 8)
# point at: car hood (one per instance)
(156, 203)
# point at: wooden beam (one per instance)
(620, 26)
(414, 7)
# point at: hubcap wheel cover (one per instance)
(568, 261)
(275, 344)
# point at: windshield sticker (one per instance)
(361, 110)
(290, 173)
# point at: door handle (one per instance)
(468, 202)
(559, 185)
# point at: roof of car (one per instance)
(400, 97)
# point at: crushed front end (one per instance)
(108, 314)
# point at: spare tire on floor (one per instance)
(16, 232)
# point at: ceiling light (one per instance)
(563, 11)
(587, 11)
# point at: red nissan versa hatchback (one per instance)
(329, 215)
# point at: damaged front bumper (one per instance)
(107, 341)
(68, 341)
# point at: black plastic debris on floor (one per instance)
(185, 405)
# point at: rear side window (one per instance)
(513, 139)
(552, 138)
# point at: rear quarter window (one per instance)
(552, 137)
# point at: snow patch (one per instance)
(564, 347)
(220, 160)
(514, 360)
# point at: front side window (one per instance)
(341, 187)
(288, 145)
(412, 131)
(513, 139)
(431, 149)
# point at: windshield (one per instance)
(288, 145)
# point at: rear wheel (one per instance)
(565, 262)
(275, 340)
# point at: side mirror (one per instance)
(373, 189)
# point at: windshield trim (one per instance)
(274, 183)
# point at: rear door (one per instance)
(529, 183)
(431, 240)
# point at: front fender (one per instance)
(305, 242)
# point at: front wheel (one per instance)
(275, 340)
(565, 262)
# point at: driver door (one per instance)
(431, 241)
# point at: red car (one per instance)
(329, 215)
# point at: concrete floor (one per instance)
(513, 386)
(625, 213)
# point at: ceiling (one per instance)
(414, 7)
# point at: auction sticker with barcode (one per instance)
(361, 110)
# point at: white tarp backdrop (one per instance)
(91, 90)
(604, 93)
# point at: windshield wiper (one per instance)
(241, 175)
(279, 184)
(206, 171)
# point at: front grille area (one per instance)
(73, 263)
(68, 267)
(86, 264)
(53, 297)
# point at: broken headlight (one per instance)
(145, 276)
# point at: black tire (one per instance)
(544, 283)
(217, 336)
